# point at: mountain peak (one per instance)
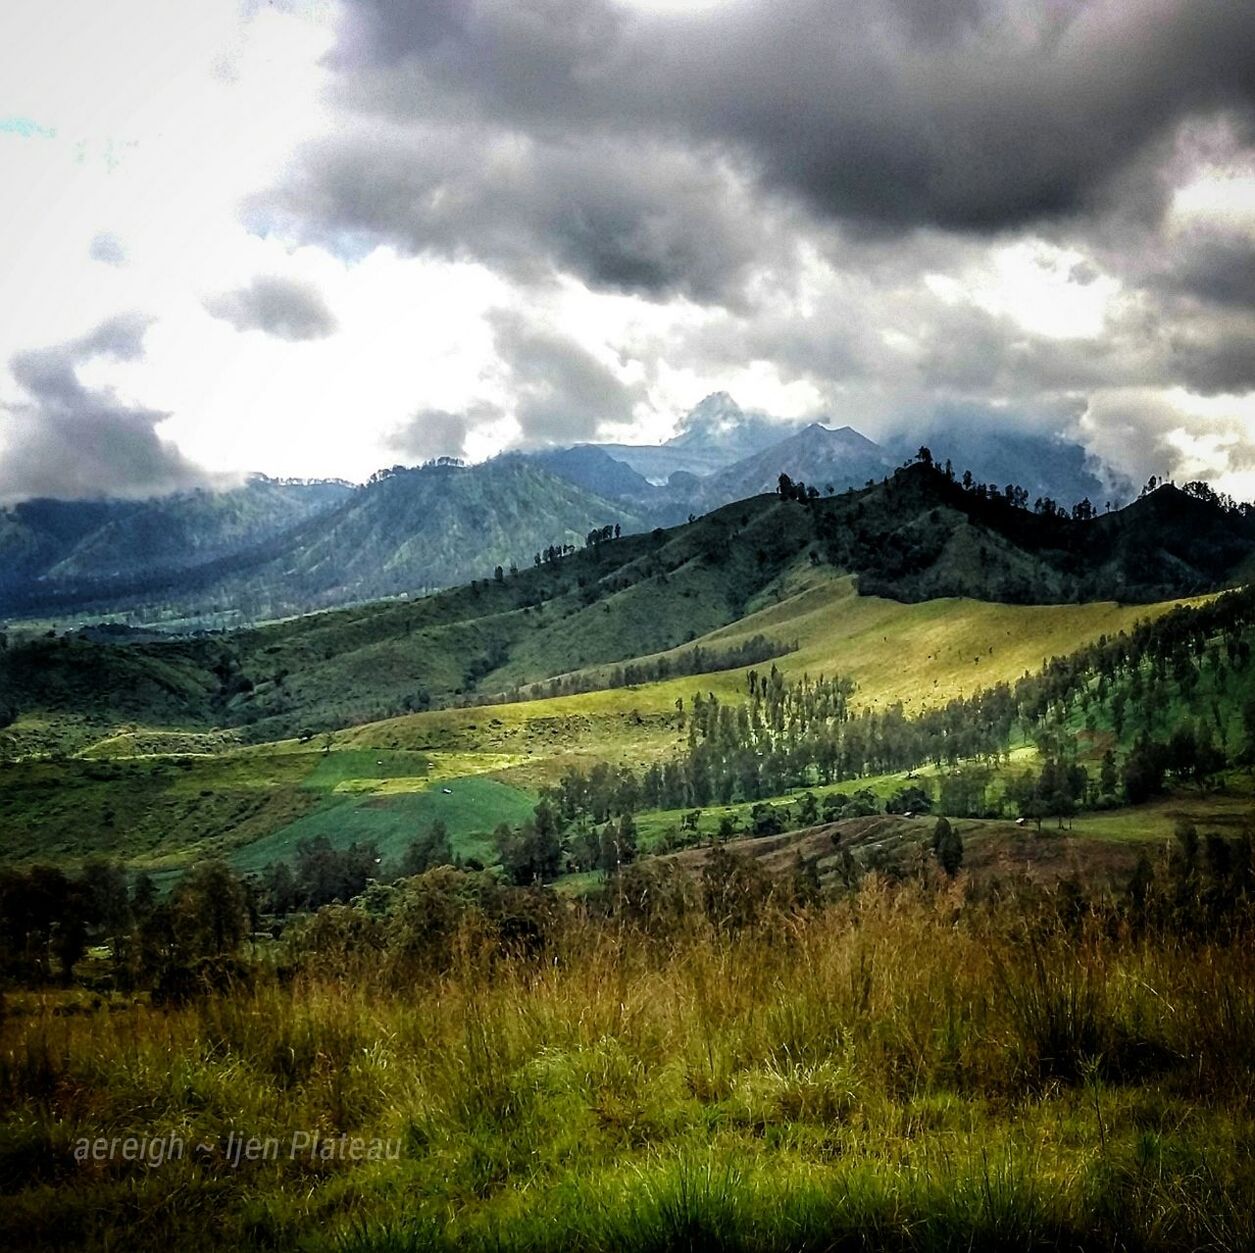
(716, 414)
(719, 426)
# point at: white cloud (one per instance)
(137, 137)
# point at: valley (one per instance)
(752, 813)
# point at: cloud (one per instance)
(108, 248)
(892, 206)
(282, 307)
(634, 216)
(1169, 435)
(1214, 265)
(970, 115)
(868, 210)
(562, 392)
(439, 433)
(71, 441)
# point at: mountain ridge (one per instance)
(176, 558)
(918, 536)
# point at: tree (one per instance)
(765, 820)
(280, 888)
(808, 809)
(1108, 778)
(1144, 772)
(143, 895)
(427, 850)
(948, 847)
(533, 854)
(618, 844)
(211, 910)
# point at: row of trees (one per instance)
(49, 919)
(788, 735)
(699, 659)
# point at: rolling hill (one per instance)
(269, 548)
(782, 570)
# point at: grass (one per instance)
(333, 770)
(920, 654)
(1229, 812)
(153, 812)
(470, 810)
(900, 1071)
(190, 794)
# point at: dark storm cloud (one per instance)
(282, 307)
(1214, 356)
(1215, 265)
(563, 393)
(72, 441)
(630, 217)
(802, 168)
(971, 116)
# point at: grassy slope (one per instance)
(919, 654)
(470, 810)
(917, 539)
(162, 813)
(165, 811)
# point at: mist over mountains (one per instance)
(269, 547)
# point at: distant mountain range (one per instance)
(406, 531)
(270, 547)
(58, 544)
(714, 435)
(723, 453)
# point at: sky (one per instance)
(318, 237)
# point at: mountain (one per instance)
(719, 427)
(435, 526)
(48, 547)
(407, 530)
(714, 434)
(733, 454)
(593, 468)
(1044, 463)
(817, 455)
(918, 536)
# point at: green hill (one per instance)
(777, 570)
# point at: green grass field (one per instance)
(470, 810)
(159, 797)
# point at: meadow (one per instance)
(913, 1068)
(160, 796)
(823, 1039)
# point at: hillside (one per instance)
(838, 459)
(416, 529)
(406, 531)
(63, 552)
(778, 571)
(270, 549)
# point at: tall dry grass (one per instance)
(901, 1069)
